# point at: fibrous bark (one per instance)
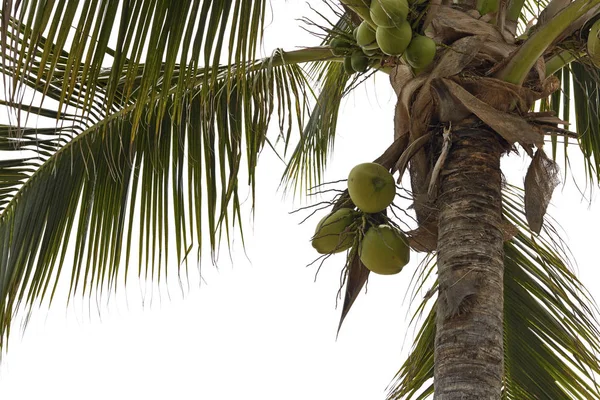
(469, 336)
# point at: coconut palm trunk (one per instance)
(468, 345)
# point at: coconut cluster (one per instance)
(382, 248)
(390, 33)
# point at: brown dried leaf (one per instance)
(540, 181)
(548, 123)
(447, 107)
(503, 96)
(410, 151)
(511, 127)
(548, 117)
(421, 112)
(550, 85)
(391, 155)
(399, 77)
(356, 278)
(450, 24)
(458, 56)
(400, 121)
(497, 50)
(424, 238)
(432, 11)
(402, 113)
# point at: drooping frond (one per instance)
(577, 103)
(550, 323)
(173, 178)
(309, 158)
(586, 98)
(153, 40)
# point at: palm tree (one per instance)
(150, 112)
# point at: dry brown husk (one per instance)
(458, 90)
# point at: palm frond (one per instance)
(309, 158)
(550, 323)
(154, 39)
(586, 85)
(173, 178)
(138, 140)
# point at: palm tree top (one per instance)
(151, 115)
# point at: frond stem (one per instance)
(558, 61)
(523, 60)
(309, 54)
(514, 10)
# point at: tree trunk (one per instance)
(469, 335)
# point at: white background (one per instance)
(258, 327)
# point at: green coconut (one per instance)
(593, 43)
(384, 250)
(339, 46)
(365, 36)
(331, 235)
(420, 52)
(370, 53)
(393, 41)
(388, 13)
(371, 187)
(360, 62)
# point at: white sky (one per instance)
(258, 329)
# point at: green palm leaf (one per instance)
(585, 97)
(307, 162)
(178, 167)
(155, 38)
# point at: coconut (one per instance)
(388, 13)
(371, 187)
(365, 36)
(360, 62)
(420, 52)
(393, 41)
(593, 43)
(339, 46)
(370, 53)
(331, 235)
(384, 250)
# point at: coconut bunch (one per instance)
(387, 32)
(381, 247)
